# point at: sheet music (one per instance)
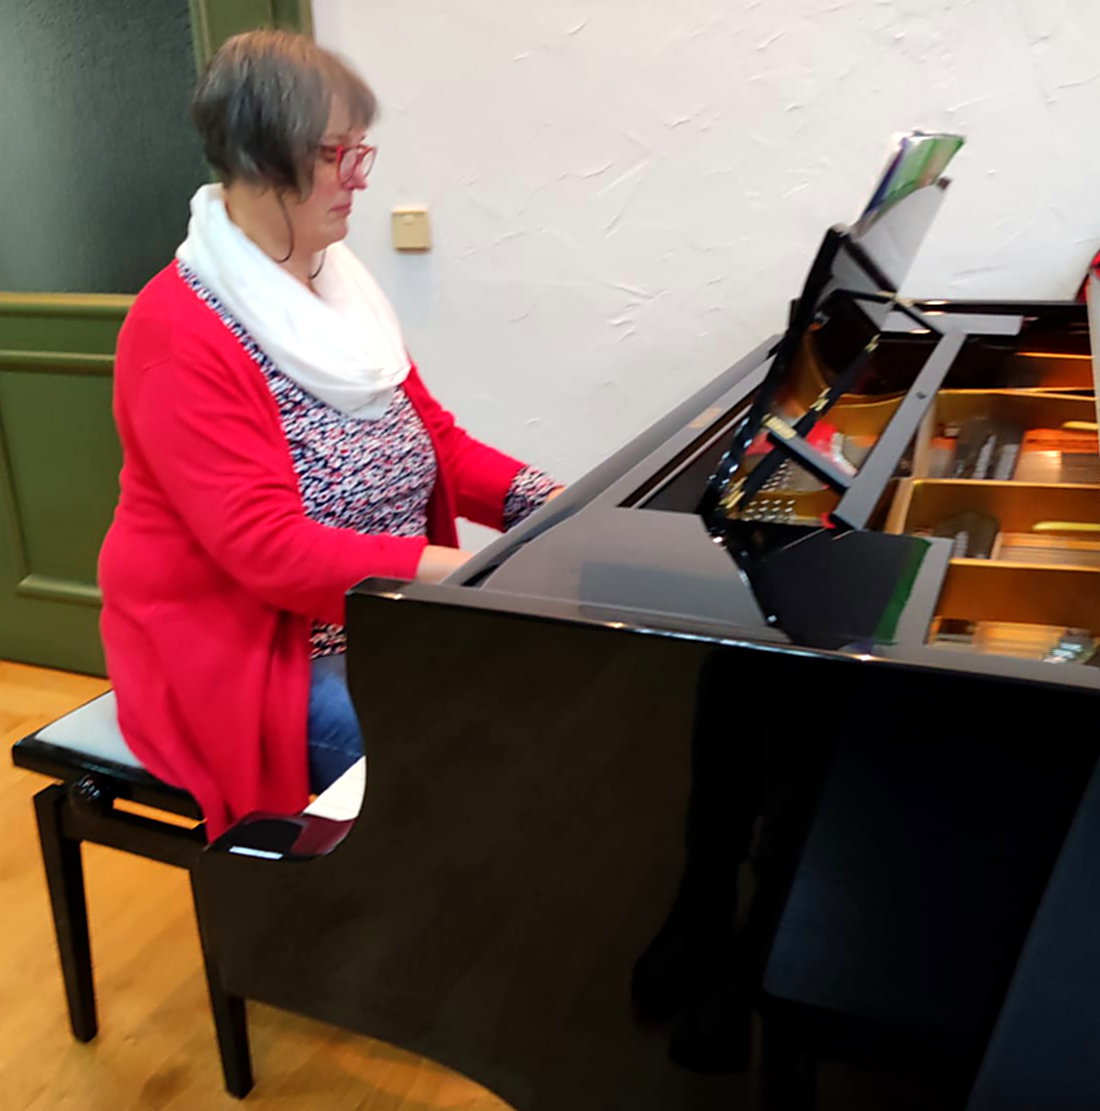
(342, 800)
(894, 239)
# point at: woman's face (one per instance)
(322, 218)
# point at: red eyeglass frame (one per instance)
(363, 152)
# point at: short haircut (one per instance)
(263, 104)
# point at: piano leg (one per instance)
(713, 1032)
(230, 1017)
(726, 795)
(747, 765)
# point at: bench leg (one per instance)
(65, 879)
(230, 1017)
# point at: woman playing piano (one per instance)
(278, 447)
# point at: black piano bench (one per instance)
(84, 751)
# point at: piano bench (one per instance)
(85, 753)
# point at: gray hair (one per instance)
(263, 103)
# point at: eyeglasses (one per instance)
(349, 161)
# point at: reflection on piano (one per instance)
(848, 589)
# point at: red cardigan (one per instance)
(212, 574)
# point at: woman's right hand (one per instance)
(438, 562)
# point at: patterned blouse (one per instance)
(374, 476)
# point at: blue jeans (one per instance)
(335, 742)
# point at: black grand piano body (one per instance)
(575, 729)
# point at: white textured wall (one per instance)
(625, 193)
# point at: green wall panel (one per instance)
(59, 464)
(63, 463)
(32, 323)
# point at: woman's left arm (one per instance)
(491, 487)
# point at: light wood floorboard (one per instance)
(155, 1047)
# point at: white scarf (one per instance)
(342, 345)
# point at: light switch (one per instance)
(412, 230)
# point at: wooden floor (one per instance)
(155, 1047)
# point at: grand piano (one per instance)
(785, 710)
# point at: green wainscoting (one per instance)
(59, 464)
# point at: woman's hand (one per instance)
(438, 562)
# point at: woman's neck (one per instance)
(261, 216)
